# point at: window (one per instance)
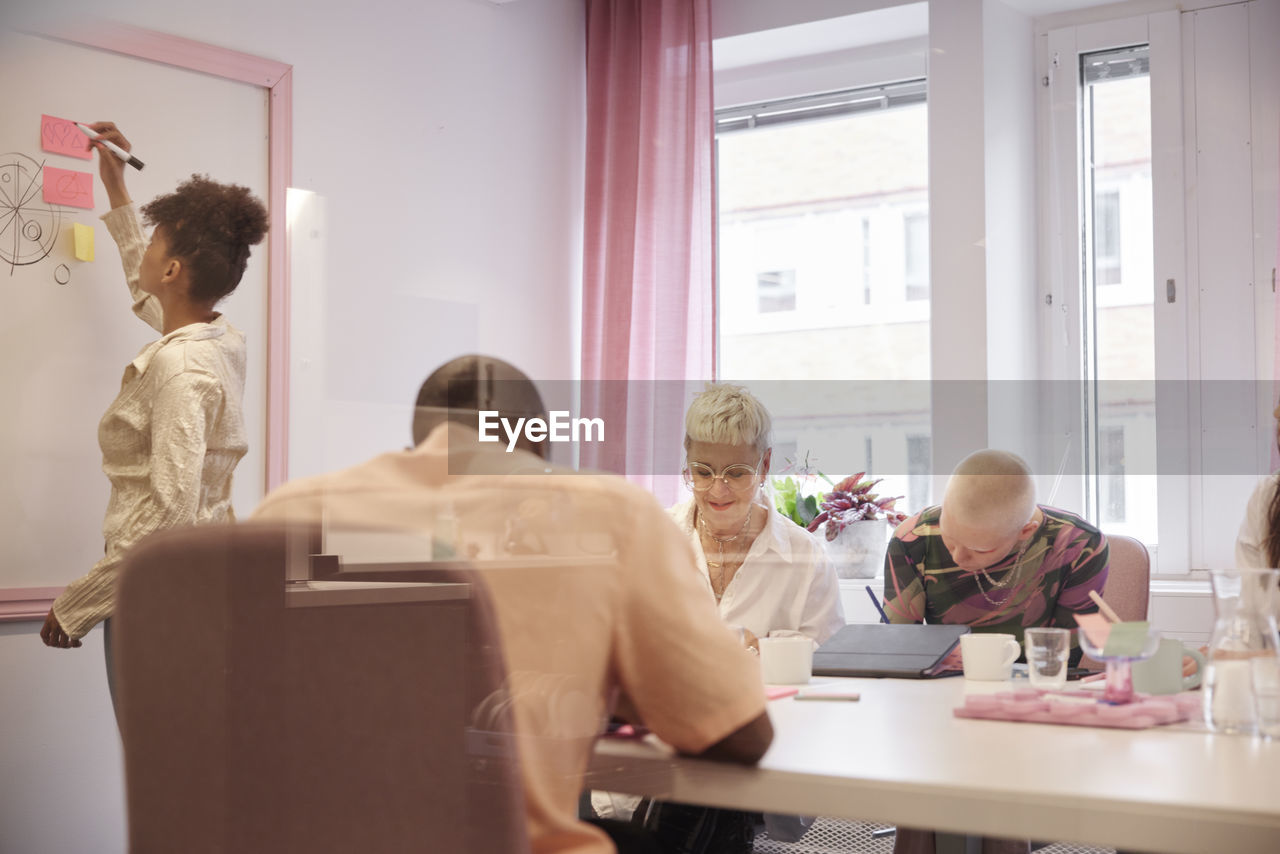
(1152, 275)
(1106, 237)
(915, 238)
(1102, 170)
(824, 276)
(919, 471)
(1111, 475)
(1119, 344)
(866, 259)
(776, 291)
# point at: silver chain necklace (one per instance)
(1008, 578)
(720, 541)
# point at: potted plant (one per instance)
(793, 495)
(855, 523)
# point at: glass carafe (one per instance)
(1244, 629)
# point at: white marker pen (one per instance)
(112, 147)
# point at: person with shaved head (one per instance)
(991, 558)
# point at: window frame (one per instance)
(1063, 255)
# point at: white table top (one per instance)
(900, 756)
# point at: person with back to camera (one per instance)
(174, 434)
(573, 640)
(991, 558)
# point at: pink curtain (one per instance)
(648, 311)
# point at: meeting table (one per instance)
(899, 755)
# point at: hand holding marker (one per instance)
(111, 146)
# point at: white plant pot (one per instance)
(858, 550)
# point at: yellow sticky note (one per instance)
(84, 242)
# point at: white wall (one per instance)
(870, 65)
(61, 780)
(734, 17)
(1009, 78)
(957, 231)
(472, 202)
(1009, 74)
(460, 233)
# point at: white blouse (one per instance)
(786, 585)
(169, 441)
(1251, 542)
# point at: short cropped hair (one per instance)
(991, 488)
(728, 415)
(209, 226)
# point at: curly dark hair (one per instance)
(210, 227)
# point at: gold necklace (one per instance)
(720, 541)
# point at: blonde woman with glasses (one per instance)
(769, 576)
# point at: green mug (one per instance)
(1162, 672)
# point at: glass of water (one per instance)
(1047, 652)
(1266, 694)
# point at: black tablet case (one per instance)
(902, 651)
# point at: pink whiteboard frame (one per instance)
(32, 603)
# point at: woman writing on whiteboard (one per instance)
(175, 432)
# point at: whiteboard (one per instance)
(67, 331)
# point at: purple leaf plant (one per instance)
(851, 500)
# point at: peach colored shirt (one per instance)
(609, 601)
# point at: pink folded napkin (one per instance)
(1050, 707)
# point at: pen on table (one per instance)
(1104, 607)
(112, 147)
(884, 618)
(849, 696)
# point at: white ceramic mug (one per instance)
(989, 657)
(786, 661)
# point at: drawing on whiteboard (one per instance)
(62, 274)
(67, 187)
(28, 224)
(61, 136)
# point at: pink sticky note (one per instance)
(68, 187)
(1095, 627)
(61, 136)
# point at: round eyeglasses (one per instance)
(739, 477)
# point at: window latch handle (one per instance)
(1170, 291)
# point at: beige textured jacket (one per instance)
(170, 440)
